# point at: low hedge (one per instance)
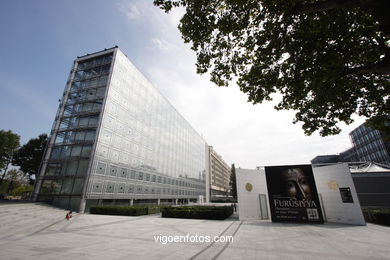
(198, 212)
(377, 216)
(124, 210)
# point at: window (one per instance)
(67, 186)
(78, 186)
(121, 188)
(101, 168)
(76, 151)
(113, 170)
(132, 174)
(97, 187)
(71, 168)
(90, 136)
(123, 173)
(56, 153)
(110, 187)
(53, 169)
(130, 189)
(83, 168)
(86, 152)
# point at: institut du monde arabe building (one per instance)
(116, 140)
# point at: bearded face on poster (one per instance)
(293, 194)
(296, 184)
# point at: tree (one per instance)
(29, 156)
(15, 179)
(326, 59)
(232, 183)
(9, 142)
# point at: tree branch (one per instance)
(377, 8)
(381, 68)
(323, 6)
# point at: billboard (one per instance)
(293, 194)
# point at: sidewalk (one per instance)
(50, 236)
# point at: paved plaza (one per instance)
(38, 231)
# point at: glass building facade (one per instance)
(369, 145)
(117, 140)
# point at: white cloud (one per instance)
(130, 10)
(245, 134)
(163, 45)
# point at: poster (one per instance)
(346, 195)
(293, 194)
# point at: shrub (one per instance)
(377, 216)
(125, 210)
(21, 189)
(198, 212)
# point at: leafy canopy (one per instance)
(9, 142)
(328, 59)
(30, 155)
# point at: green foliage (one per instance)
(9, 142)
(21, 190)
(377, 216)
(30, 155)
(327, 59)
(8, 186)
(125, 210)
(14, 179)
(233, 183)
(198, 212)
(15, 175)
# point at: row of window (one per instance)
(68, 186)
(79, 121)
(92, 72)
(68, 151)
(70, 137)
(86, 95)
(187, 166)
(68, 168)
(94, 106)
(98, 61)
(112, 187)
(114, 171)
(379, 156)
(90, 83)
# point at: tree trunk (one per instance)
(9, 186)
(4, 173)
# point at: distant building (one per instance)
(368, 145)
(217, 176)
(348, 155)
(333, 158)
(372, 183)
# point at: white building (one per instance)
(336, 195)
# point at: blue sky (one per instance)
(41, 38)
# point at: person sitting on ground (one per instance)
(68, 215)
